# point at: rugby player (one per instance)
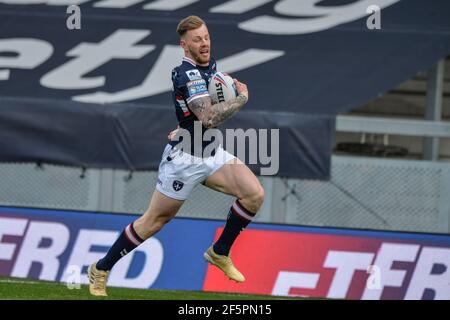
(179, 174)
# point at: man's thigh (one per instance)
(161, 210)
(162, 205)
(234, 178)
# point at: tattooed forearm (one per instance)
(213, 115)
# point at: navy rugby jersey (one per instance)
(190, 82)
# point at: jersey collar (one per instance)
(189, 61)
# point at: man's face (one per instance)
(197, 45)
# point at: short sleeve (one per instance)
(189, 84)
(196, 89)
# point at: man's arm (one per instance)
(212, 115)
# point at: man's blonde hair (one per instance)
(189, 23)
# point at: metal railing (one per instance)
(362, 193)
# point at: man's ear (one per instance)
(183, 43)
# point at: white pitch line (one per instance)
(18, 281)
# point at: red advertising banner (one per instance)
(336, 266)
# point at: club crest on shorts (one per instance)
(177, 185)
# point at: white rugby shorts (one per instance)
(179, 172)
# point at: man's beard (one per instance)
(198, 57)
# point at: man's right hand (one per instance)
(241, 88)
(172, 135)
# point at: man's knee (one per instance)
(157, 226)
(258, 196)
(147, 225)
(255, 199)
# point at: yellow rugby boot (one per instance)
(225, 264)
(97, 281)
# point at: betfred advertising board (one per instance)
(279, 260)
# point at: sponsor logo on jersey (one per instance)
(182, 104)
(194, 74)
(197, 87)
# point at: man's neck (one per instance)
(192, 61)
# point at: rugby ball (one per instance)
(221, 88)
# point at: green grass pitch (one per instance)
(25, 289)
